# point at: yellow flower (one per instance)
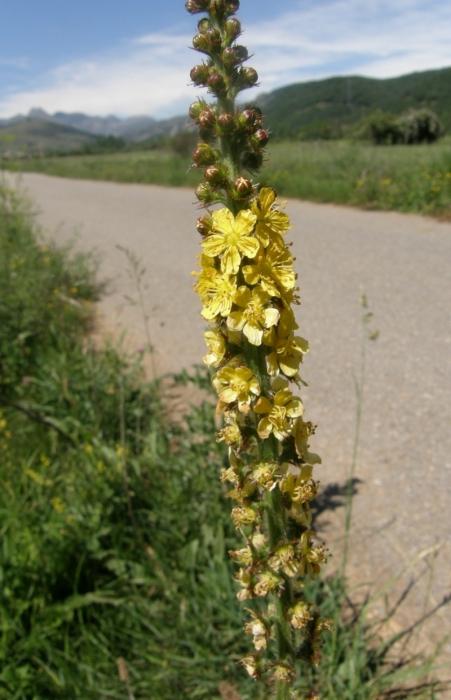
(284, 559)
(257, 629)
(273, 269)
(236, 383)
(250, 664)
(267, 582)
(283, 673)
(216, 292)
(243, 515)
(265, 475)
(301, 433)
(271, 223)
(230, 434)
(279, 413)
(300, 615)
(254, 316)
(287, 355)
(216, 345)
(232, 238)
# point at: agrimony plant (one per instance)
(248, 288)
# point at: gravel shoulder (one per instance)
(401, 262)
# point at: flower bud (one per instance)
(262, 136)
(195, 6)
(232, 29)
(215, 175)
(207, 118)
(203, 25)
(252, 160)
(204, 225)
(226, 122)
(205, 194)
(248, 77)
(199, 74)
(201, 43)
(216, 83)
(234, 55)
(224, 8)
(231, 6)
(243, 186)
(214, 37)
(250, 119)
(196, 109)
(204, 155)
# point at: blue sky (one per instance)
(107, 56)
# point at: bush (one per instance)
(414, 127)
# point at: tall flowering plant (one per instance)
(248, 288)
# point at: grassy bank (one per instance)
(115, 528)
(409, 179)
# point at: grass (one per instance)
(115, 580)
(401, 178)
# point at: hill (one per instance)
(327, 107)
(33, 135)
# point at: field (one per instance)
(401, 178)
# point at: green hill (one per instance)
(33, 136)
(328, 107)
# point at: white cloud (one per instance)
(379, 38)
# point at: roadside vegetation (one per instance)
(115, 580)
(415, 178)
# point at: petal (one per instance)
(235, 321)
(245, 221)
(264, 428)
(271, 364)
(272, 316)
(248, 246)
(228, 395)
(266, 197)
(263, 405)
(223, 220)
(242, 296)
(230, 263)
(213, 245)
(253, 334)
(295, 409)
(251, 274)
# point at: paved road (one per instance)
(402, 263)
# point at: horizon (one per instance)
(111, 115)
(117, 63)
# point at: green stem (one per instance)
(282, 691)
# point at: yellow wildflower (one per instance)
(300, 615)
(284, 559)
(287, 355)
(271, 223)
(250, 664)
(278, 412)
(216, 291)
(273, 270)
(301, 433)
(236, 384)
(57, 504)
(254, 316)
(257, 629)
(265, 475)
(283, 673)
(230, 434)
(267, 582)
(242, 556)
(232, 238)
(243, 515)
(216, 345)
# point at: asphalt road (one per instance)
(402, 263)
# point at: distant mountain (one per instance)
(137, 128)
(328, 107)
(35, 135)
(322, 108)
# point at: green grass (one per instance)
(115, 580)
(401, 178)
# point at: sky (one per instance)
(126, 58)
